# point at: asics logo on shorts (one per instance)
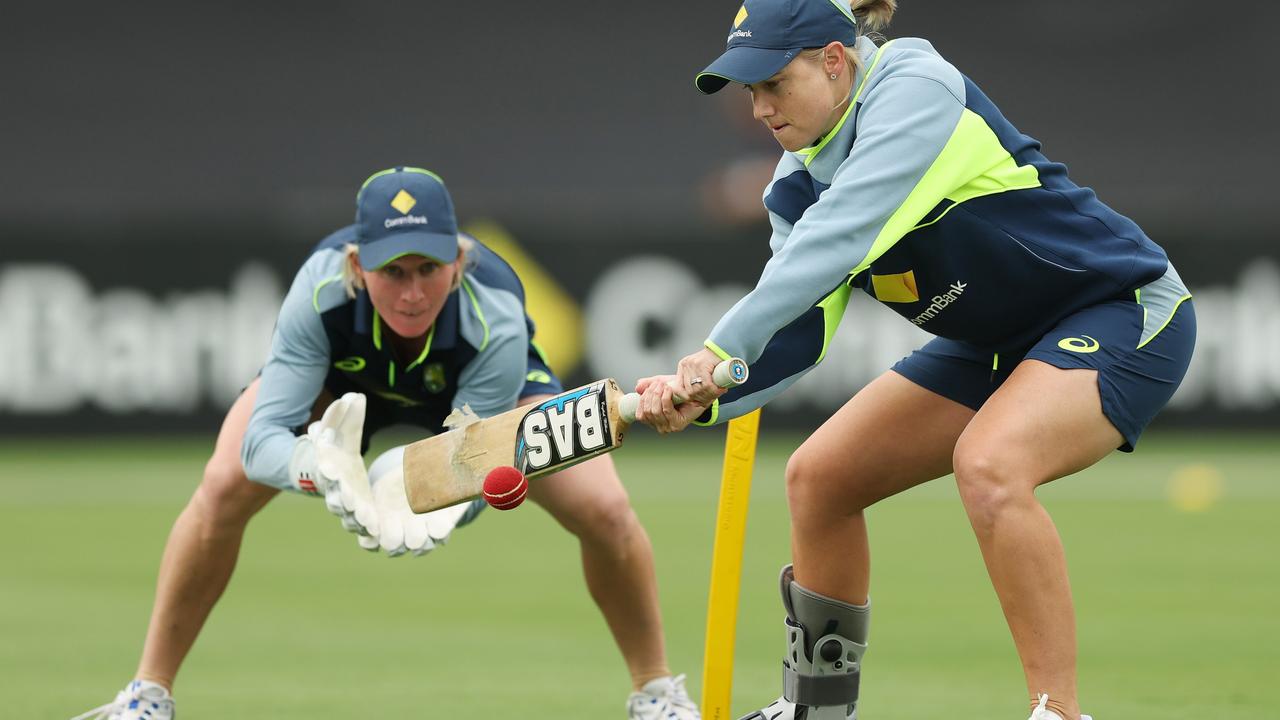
(1082, 344)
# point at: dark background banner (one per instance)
(158, 328)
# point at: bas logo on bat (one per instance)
(563, 428)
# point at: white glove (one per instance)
(400, 529)
(326, 461)
(367, 542)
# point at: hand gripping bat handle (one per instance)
(729, 373)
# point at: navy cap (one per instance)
(768, 34)
(405, 211)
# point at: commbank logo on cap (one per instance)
(403, 202)
(742, 16)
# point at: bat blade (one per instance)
(538, 439)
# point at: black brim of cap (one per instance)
(437, 246)
(744, 65)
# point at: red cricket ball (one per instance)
(505, 487)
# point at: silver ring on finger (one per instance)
(696, 381)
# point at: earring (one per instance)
(833, 76)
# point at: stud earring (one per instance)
(833, 76)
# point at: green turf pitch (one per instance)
(1178, 607)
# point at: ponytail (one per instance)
(873, 15)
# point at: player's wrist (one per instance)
(708, 416)
(715, 349)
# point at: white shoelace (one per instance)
(680, 696)
(123, 698)
(673, 697)
(1041, 712)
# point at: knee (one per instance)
(226, 497)
(801, 482)
(988, 484)
(812, 488)
(607, 520)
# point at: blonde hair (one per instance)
(352, 281)
(873, 16)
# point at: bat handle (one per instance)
(730, 373)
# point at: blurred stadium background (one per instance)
(165, 173)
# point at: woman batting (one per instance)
(397, 319)
(1062, 329)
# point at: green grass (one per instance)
(1178, 610)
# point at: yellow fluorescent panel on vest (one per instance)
(900, 288)
(555, 313)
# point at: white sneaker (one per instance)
(784, 709)
(140, 700)
(1040, 712)
(662, 699)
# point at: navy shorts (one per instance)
(1136, 377)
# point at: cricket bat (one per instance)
(564, 430)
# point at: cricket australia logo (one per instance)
(565, 428)
(433, 378)
(940, 302)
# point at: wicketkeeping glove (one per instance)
(326, 461)
(400, 529)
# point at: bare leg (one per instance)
(202, 550)
(891, 436)
(1043, 423)
(617, 560)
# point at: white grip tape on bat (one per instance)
(729, 373)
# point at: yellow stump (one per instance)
(726, 565)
